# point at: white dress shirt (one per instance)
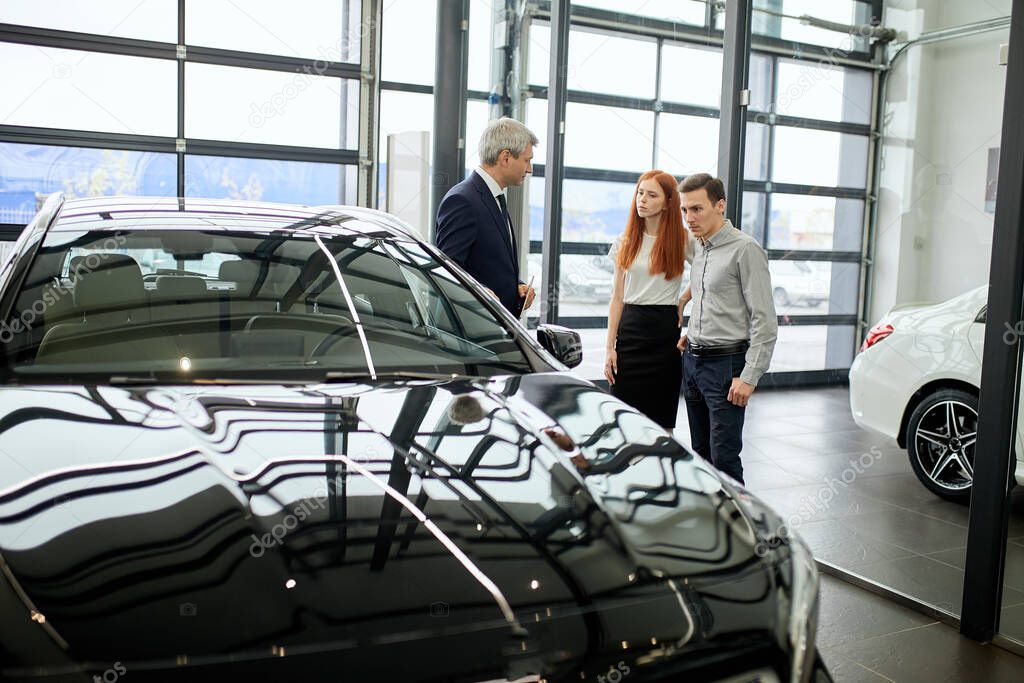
(496, 190)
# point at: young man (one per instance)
(733, 327)
(473, 225)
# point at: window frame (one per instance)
(179, 53)
(768, 48)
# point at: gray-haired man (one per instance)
(473, 225)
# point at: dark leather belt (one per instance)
(701, 351)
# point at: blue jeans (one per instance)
(716, 425)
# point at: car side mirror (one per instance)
(563, 343)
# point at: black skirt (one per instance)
(650, 365)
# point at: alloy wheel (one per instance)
(946, 436)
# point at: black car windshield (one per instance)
(193, 304)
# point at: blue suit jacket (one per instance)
(472, 232)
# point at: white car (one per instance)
(916, 380)
(798, 282)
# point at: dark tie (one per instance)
(508, 224)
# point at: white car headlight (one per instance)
(803, 609)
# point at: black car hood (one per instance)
(418, 530)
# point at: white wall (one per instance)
(943, 113)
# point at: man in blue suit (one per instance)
(473, 225)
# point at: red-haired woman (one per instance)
(643, 365)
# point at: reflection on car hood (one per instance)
(462, 530)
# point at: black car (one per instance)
(243, 441)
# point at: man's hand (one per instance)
(683, 300)
(528, 292)
(681, 344)
(739, 392)
(611, 366)
(493, 295)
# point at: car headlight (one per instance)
(803, 609)
(798, 604)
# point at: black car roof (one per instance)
(170, 213)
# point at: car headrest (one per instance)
(241, 271)
(283, 274)
(246, 273)
(83, 263)
(180, 287)
(115, 282)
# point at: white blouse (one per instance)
(643, 288)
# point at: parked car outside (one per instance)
(798, 283)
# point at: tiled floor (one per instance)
(866, 639)
(853, 497)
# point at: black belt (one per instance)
(701, 351)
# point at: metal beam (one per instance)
(79, 138)
(667, 107)
(505, 99)
(813, 190)
(869, 230)
(277, 152)
(701, 35)
(877, 9)
(554, 159)
(369, 103)
(735, 99)
(811, 255)
(448, 158)
(160, 145)
(9, 232)
(503, 75)
(601, 249)
(410, 419)
(341, 418)
(180, 151)
(600, 322)
(248, 60)
(73, 40)
(1000, 371)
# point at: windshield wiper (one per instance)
(398, 374)
(140, 379)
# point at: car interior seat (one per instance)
(109, 318)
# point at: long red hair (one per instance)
(669, 249)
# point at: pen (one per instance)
(528, 285)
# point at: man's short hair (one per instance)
(710, 184)
(504, 133)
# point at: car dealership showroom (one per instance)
(721, 301)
